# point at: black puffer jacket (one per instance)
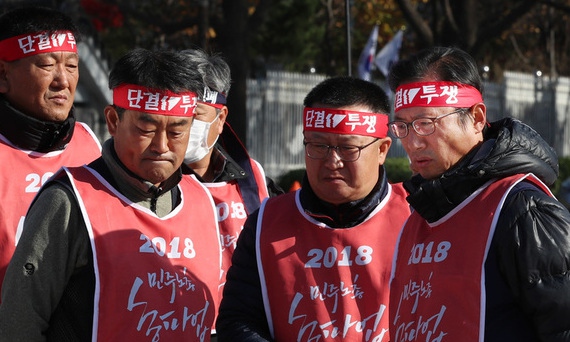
(527, 270)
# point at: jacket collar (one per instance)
(131, 185)
(510, 147)
(347, 214)
(28, 133)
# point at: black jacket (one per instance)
(242, 314)
(233, 163)
(29, 133)
(527, 281)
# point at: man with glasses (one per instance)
(314, 265)
(485, 255)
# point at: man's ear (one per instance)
(112, 119)
(222, 119)
(385, 144)
(479, 113)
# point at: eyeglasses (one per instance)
(348, 153)
(422, 126)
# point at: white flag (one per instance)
(366, 59)
(389, 53)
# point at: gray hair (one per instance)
(215, 71)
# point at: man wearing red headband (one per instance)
(124, 248)
(485, 255)
(38, 77)
(218, 158)
(314, 264)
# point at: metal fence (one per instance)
(274, 114)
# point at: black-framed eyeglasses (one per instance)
(422, 126)
(348, 153)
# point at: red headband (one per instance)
(29, 44)
(163, 102)
(331, 120)
(436, 94)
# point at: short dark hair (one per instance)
(343, 91)
(156, 69)
(437, 63)
(31, 19)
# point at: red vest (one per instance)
(438, 290)
(325, 284)
(156, 278)
(22, 173)
(232, 212)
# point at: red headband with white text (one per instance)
(331, 120)
(29, 44)
(436, 94)
(153, 101)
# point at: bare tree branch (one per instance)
(450, 17)
(501, 24)
(413, 17)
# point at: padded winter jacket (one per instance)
(527, 278)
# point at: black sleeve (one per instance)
(242, 314)
(273, 188)
(533, 248)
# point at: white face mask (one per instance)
(198, 143)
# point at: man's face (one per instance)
(336, 181)
(434, 154)
(208, 113)
(149, 145)
(42, 86)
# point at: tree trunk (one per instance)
(233, 43)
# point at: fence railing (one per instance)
(274, 114)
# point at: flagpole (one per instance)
(348, 36)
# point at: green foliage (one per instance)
(397, 169)
(293, 37)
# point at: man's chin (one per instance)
(156, 177)
(54, 116)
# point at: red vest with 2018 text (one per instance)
(324, 284)
(156, 277)
(232, 212)
(22, 173)
(437, 291)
